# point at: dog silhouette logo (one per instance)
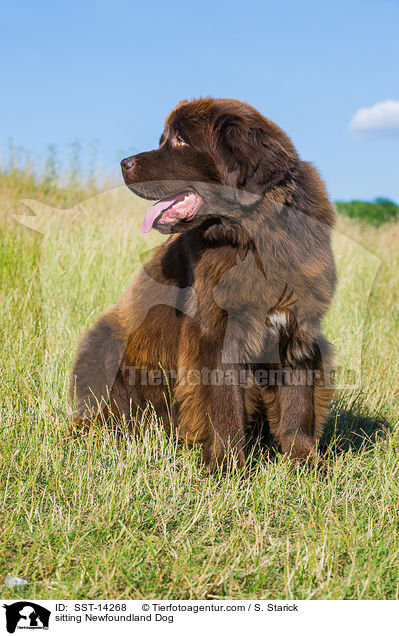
(26, 615)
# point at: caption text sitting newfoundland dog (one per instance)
(223, 321)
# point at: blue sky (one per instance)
(111, 71)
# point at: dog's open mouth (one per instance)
(179, 207)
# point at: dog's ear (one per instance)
(253, 156)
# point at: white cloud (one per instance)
(382, 118)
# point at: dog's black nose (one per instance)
(127, 163)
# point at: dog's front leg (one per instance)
(226, 431)
(294, 431)
(209, 403)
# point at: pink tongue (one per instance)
(154, 212)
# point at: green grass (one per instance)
(92, 518)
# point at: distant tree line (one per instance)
(374, 212)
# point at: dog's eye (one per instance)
(179, 142)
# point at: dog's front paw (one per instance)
(299, 447)
(224, 457)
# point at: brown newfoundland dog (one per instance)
(223, 321)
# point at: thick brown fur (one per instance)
(241, 287)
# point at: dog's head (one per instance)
(215, 157)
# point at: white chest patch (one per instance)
(277, 320)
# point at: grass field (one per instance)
(90, 518)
